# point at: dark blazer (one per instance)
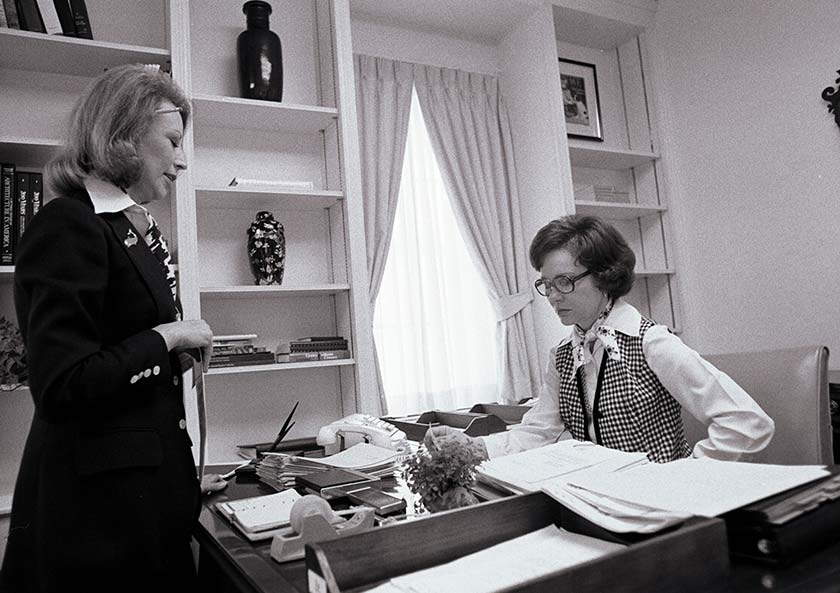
(107, 493)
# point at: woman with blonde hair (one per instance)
(107, 494)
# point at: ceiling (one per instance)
(483, 21)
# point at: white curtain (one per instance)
(434, 324)
(470, 133)
(383, 97)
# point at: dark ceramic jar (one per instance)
(260, 55)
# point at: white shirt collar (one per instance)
(107, 197)
(624, 318)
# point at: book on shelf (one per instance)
(234, 338)
(334, 355)
(232, 360)
(598, 193)
(49, 17)
(3, 22)
(21, 205)
(36, 195)
(29, 16)
(236, 349)
(318, 346)
(7, 204)
(304, 345)
(313, 356)
(81, 22)
(10, 8)
(65, 17)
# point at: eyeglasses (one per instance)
(562, 284)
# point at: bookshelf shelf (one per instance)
(286, 366)
(584, 155)
(249, 114)
(27, 152)
(258, 199)
(7, 273)
(38, 52)
(616, 211)
(253, 292)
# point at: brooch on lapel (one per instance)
(130, 239)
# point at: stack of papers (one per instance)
(703, 487)
(504, 565)
(280, 470)
(260, 517)
(624, 493)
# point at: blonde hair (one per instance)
(107, 124)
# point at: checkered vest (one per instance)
(632, 410)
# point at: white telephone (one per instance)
(359, 428)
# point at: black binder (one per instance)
(783, 528)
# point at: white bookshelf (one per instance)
(247, 114)
(252, 292)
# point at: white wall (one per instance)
(753, 169)
(396, 43)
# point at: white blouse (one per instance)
(736, 424)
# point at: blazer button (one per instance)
(182, 424)
(134, 379)
(156, 370)
(147, 373)
(175, 380)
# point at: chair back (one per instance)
(791, 386)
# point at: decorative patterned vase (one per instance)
(260, 55)
(267, 249)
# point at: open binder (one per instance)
(784, 528)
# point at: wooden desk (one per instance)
(230, 563)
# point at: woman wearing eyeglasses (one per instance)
(620, 379)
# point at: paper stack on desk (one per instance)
(624, 493)
(260, 516)
(552, 467)
(703, 487)
(280, 470)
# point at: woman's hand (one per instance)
(192, 333)
(439, 437)
(212, 483)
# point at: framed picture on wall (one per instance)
(581, 105)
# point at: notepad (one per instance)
(260, 513)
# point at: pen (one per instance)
(232, 472)
(285, 428)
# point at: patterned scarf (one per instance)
(581, 340)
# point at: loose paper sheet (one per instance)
(509, 563)
(528, 470)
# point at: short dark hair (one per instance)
(595, 244)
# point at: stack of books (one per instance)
(238, 350)
(313, 348)
(21, 198)
(598, 193)
(55, 17)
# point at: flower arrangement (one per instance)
(442, 475)
(13, 372)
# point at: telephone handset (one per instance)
(359, 428)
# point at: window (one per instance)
(434, 324)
